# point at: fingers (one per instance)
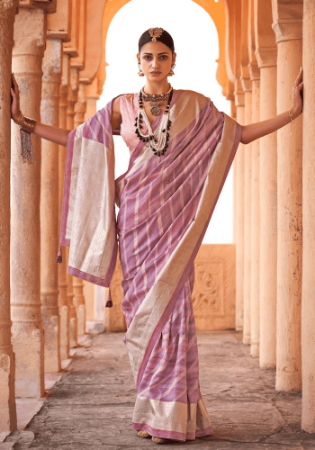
(299, 78)
(16, 87)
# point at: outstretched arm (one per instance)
(54, 134)
(260, 129)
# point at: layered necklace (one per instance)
(155, 100)
(159, 138)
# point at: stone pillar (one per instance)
(255, 218)
(308, 291)
(289, 268)
(52, 66)
(266, 54)
(78, 299)
(7, 369)
(72, 99)
(91, 99)
(62, 267)
(247, 216)
(239, 216)
(268, 216)
(27, 330)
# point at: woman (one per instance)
(181, 149)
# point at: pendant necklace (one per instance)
(155, 100)
(158, 139)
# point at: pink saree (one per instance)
(165, 207)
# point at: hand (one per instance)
(297, 102)
(15, 104)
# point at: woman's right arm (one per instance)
(54, 134)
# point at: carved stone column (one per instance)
(7, 369)
(62, 267)
(27, 330)
(255, 217)
(72, 99)
(308, 311)
(52, 66)
(289, 273)
(91, 99)
(267, 61)
(78, 299)
(247, 85)
(239, 217)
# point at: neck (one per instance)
(155, 88)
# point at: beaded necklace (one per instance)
(158, 140)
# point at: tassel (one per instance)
(59, 256)
(109, 303)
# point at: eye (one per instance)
(147, 57)
(163, 57)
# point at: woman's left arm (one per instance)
(260, 129)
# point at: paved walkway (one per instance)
(91, 406)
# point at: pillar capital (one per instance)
(247, 84)
(265, 40)
(239, 94)
(266, 56)
(287, 20)
(49, 6)
(288, 30)
(254, 71)
(59, 24)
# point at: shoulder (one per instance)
(128, 98)
(195, 95)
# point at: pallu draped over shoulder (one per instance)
(165, 205)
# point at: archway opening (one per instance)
(197, 47)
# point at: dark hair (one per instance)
(165, 38)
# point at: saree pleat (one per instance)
(165, 205)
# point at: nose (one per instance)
(154, 63)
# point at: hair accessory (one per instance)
(155, 33)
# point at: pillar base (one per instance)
(246, 340)
(28, 346)
(52, 342)
(254, 350)
(81, 319)
(64, 332)
(73, 332)
(8, 420)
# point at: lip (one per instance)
(155, 73)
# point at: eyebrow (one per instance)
(163, 53)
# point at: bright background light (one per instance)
(196, 45)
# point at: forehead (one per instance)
(155, 48)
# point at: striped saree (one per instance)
(165, 207)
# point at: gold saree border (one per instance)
(174, 416)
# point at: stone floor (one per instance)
(90, 407)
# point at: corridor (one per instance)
(91, 406)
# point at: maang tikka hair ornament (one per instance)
(155, 33)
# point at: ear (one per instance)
(174, 58)
(138, 57)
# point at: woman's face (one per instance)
(156, 60)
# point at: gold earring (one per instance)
(140, 73)
(171, 72)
